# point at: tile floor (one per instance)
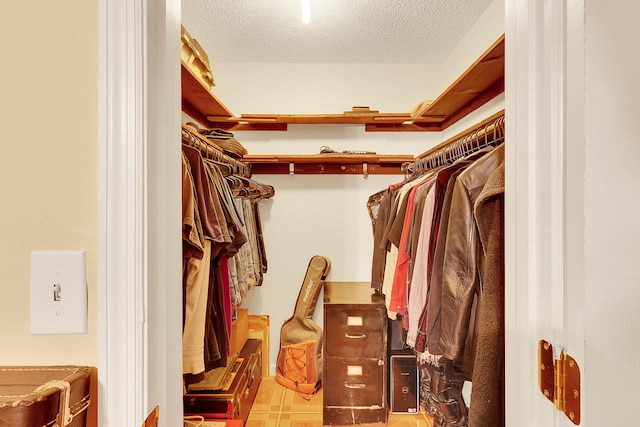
(276, 406)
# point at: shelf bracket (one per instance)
(559, 380)
(365, 170)
(292, 167)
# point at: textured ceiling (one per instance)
(340, 31)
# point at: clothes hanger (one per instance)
(475, 140)
(486, 136)
(225, 168)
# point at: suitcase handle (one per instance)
(354, 385)
(355, 336)
(249, 384)
(64, 412)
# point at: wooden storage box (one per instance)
(235, 400)
(44, 395)
(239, 331)
(259, 329)
(196, 59)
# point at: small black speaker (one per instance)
(403, 390)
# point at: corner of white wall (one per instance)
(487, 29)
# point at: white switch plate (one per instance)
(58, 292)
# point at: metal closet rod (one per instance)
(488, 132)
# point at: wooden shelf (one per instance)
(338, 163)
(198, 101)
(480, 83)
(281, 121)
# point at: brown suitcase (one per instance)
(235, 400)
(35, 396)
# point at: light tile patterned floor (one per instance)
(276, 406)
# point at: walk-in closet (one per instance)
(332, 140)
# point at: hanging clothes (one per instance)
(403, 225)
(430, 265)
(439, 236)
(221, 257)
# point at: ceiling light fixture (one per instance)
(306, 11)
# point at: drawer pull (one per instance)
(355, 336)
(354, 385)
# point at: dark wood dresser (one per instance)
(355, 354)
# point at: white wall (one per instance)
(323, 88)
(612, 212)
(487, 29)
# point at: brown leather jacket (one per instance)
(462, 262)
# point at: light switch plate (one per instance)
(58, 292)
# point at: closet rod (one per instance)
(212, 151)
(488, 132)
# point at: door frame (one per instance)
(139, 291)
(543, 261)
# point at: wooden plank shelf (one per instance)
(198, 101)
(277, 121)
(481, 82)
(334, 163)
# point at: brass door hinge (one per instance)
(559, 380)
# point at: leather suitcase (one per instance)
(35, 396)
(235, 400)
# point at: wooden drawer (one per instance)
(355, 354)
(347, 416)
(354, 382)
(355, 331)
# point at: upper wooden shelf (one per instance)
(198, 101)
(480, 83)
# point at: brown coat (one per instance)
(487, 398)
(463, 261)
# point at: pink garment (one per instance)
(420, 279)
